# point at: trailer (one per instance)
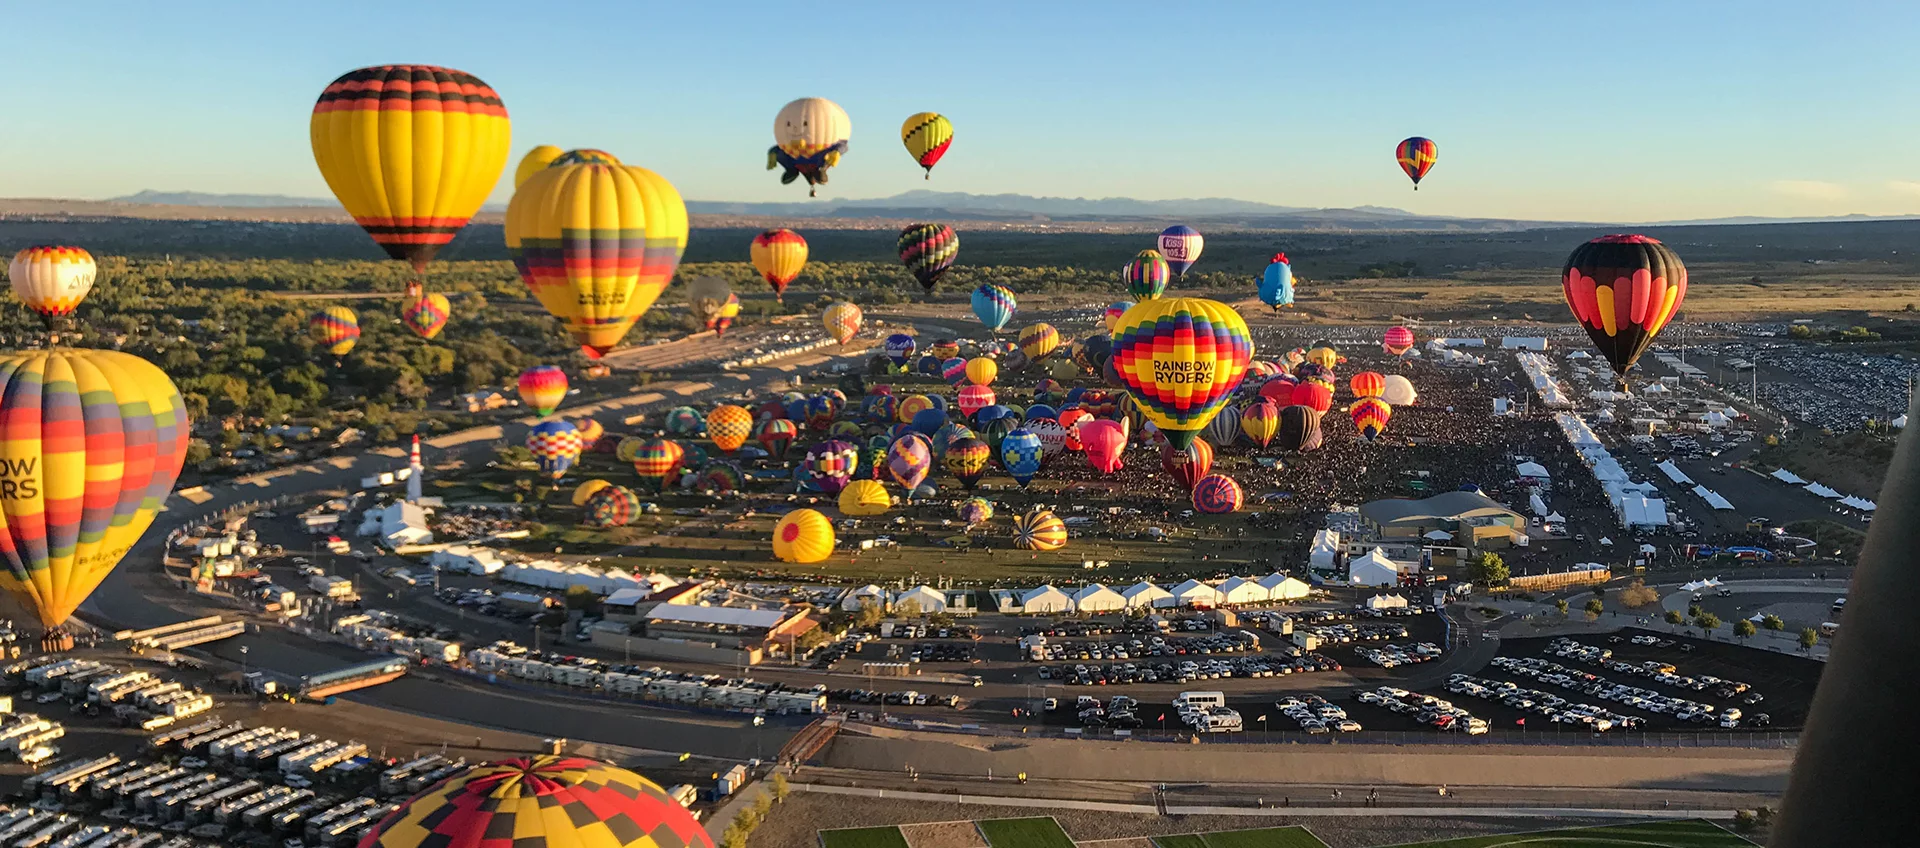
(274, 803)
(83, 836)
(422, 781)
(346, 829)
(20, 745)
(200, 809)
(131, 788)
(20, 827)
(394, 780)
(44, 675)
(323, 822)
(200, 636)
(324, 759)
(357, 676)
(110, 785)
(297, 815)
(144, 839)
(97, 688)
(75, 685)
(271, 755)
(219, 748)
(175, 806)
(181, 734)
(149, 696)
(197, 745)
(48, 832)
(140, 682)
(78, 789)
(78, 769)
(148, 798)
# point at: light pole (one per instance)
(243, 664)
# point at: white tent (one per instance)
(1280, 587)
(1146, 594)
(1393, 601)
(1822, 491)
(1374, 569)
(1642, 512)
(1539, 504)
(1555, 518)
(1900, 422)
(868, 595)
(466, 559)
(1531, 471)
(1325, 551)
(1438, 536)
(1648, 549)
(1712, 498)
(398, 523)
(1674, 473)
(1697, 585)
(929, 599)
(1194, 593)
(1046, 599)
(1240, 590)
(1097, 598)
(1788, 477)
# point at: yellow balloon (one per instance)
(862, 498)
(981, 371)
(535, 160)
(841, 320)
(630, 220)
(1181, 359)
(927, 136)
(585, 490)
(411, 151)
(1325, 357)
(803, 536)
(52, 280)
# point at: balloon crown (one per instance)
(1625, 238)
(584, 156)
(1279, 258)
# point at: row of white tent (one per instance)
(1539, 372)
(1818, 490)
(547, 574)
(1635, 504)
(1098, 598)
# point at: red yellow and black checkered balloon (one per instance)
(556, 802)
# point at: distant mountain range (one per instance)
(1020, 208)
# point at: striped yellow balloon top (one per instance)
(547, 801)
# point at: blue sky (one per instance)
(1622, 111)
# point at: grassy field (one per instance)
(863, 837)
(1266, 837)
(1038, 832)
(1692, 833)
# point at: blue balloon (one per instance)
(939, 402)
(1073, 395)
(929, 365)
(899, 347)
(804, 480)
(1276, 285)
(987, 414)
(927, 421)
(1041, 410)
(797, 411)
(993, 305)
(1020, 455)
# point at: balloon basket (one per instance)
(56, 641)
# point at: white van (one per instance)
(1192, 702)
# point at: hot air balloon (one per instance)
(547, 800)
(1276, 283)
(842, 321)
(994, 305)
(1399, 391)
(777, 435)
(1367, 384)
(1370, 415)
(1187, 465)
(974, 511)
(1095, 352)
(982, 370)
(1223, 430)
(927, 136)
(1416, 156)
(1181, 358)
(1111, 316)
(1299, 429)
(585, 490)
(954, 371)
(728, 312)
(536, 159)
(729, 426)
(1039, 530)
(1325, 357)
(555, 445)
(612, 506)
(427, 314)
(1623, 289)
(912, 406)
(1180, 245)
(1070, 420)
(975, 398)
(1038, 340)
(683, 421)
(831, 463)
(810, 135)
(1397, 341)
(899, 348)
(335, 328)
(1021, 455)
(863, 498)
(944, 349)
(1260, 421)
(1279, 390)
(966, 459)
(909, 459)
(1217, 494)
(657, 460)
(721, 477)
(1104, 442)
(803, 536)
(1146, 275)
(1313, 394)
(411, 151)
(1052, 436)
(928, 250)
(596, 243)
(880, 408)
(542, 388)
(779, 255)
(706, 296)
(92, 441)
(52, 280)
(628, 448)
(591, 432)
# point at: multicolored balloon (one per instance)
(928, 250)
(1276, 283)
(1370, 415)
(1367, 384)
(1299, 429)
(585, 490)
(1110, 317)
(779, 255)
(1623, 289)
(803, 536)
(335, 328)
(1146, 276)
(1217, 494)
(831, 464)
(1052, 436)
(555, 445)
(427, 315)
(1187, 465)
(1039, 530)
(1181, 358)
(899, 348)
(657, 460)
(613, 506)
(591, 431)
(810, 135)
(544, 800)
(909, 459)
(975, 398)
(966, 459)
(1039, 340)
(721, 477)
(707, 296)
(1260, 421)
(1021, 455)
(683, 421)
(777, 435)
(543, 388)
(1416, 156)
(944, 349)
(927, 136)
(994, 305)
(974, 511)
(628, 448)
(842, 321)
(1180, 245)
(52, 280)
(729, 426)
(1397, 341)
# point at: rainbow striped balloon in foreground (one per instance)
(335, 328)
(1181, 358)
(91, 442)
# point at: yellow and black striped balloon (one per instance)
(927, 136)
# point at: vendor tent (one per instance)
(1144, 594)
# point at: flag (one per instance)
(1262, 718)
(1520, 721)
(1163, 717)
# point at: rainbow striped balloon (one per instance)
(543, 387)
(1217, 494)
(1181, 358)
(613, 506)
(994, 305)
(657, 459)
(1146, 275)
(556, 446)
(335, 328)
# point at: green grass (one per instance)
(1690, 833)
(1266, 837)
(1183, 840)
(863, 837)
(1041, 832)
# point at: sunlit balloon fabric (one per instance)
(729, 426)
(1416, 156)
(830, 464)
(591, 431)
(536, 159)
(1623, 289)
(982, 370)
(544, 800)
(1276, 283)
(1038, 340)
(994, 305)
(974, 511)
(596, 243)
(1399, 391)
(52, 280)
(862, 498)
(426, 315)
(909, 460)
(928, 250)
(1370, 415)
(335, 328)
(1111, 316)
(555, 445)
(1021, 454)
(810, 135)
(1039, 530)
(1180, 245)
(542, 388)
(1397, 340)
(841, 321)
(1146, 275)
(612, 506)
(1367, 384)
(779, 256)
(1217, 494)
(411, 151)
(1187, 465)
(1181, 358)
(91, 442)
(803, 536)
(585, 490)
(1260, 421)
(927, 136)
(657, 459)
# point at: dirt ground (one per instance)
(956, 834)
(796, 821)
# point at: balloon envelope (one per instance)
(1623, 289)
(1146, 276)
(994, 305)
(1181, 245)
(779, 256)
(803, 536)
(52, 280)
(928, 250)
(1416, 156)
(1276, 283)
(1187, 465)
(1217, 494)
(1181, 358)
(542, 388)
(927, 135)
(1105, 442)
(1399, 391)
